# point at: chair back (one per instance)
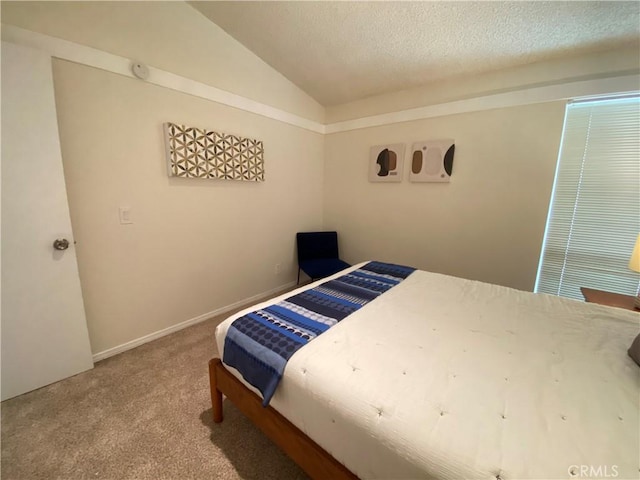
(312, 245)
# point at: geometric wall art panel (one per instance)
(198, 153)
(385, 163)
(432, 161)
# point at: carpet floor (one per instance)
(143, 414)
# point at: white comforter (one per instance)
(448, 378)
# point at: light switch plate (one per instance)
(125, 215)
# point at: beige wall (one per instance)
(195, 245)
(169, 35)
(487, 224)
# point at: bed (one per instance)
(447, 378)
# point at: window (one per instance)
(594, 217)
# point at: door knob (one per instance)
(61, 244)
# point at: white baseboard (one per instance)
(110, 352)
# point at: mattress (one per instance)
(448, 378)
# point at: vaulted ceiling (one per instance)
(343, 51)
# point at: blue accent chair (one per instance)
(318, 254)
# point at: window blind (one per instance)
(594, 216)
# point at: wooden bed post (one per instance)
(315, 461)
(216, 395)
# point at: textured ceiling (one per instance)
(342, 51)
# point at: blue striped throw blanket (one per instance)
(260, 343)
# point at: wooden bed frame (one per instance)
(314, 460)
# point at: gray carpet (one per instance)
(143, 414)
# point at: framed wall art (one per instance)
(199, 153)
(432, 161)
(386, 163)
